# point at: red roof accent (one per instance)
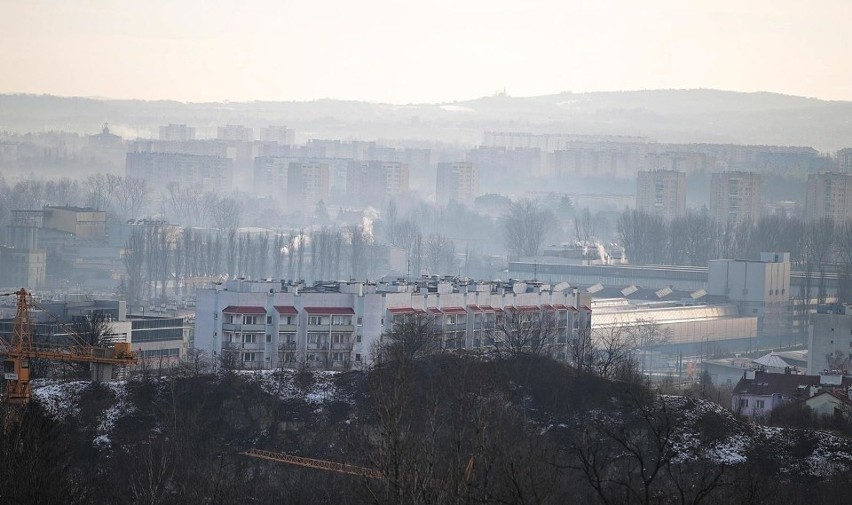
(548, 307)
(559, 306)
(401, 310)
(529, 308)
(236, 309)
(487, 308)
(499, 310)
(453, 310)
(474, 308)
(330, 311)
(586, 307)
(435, 311)
(571, 307)
(286, 310)
(420, 312)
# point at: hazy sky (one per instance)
(436, 50)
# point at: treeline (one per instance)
(696, 238)
(440, 429)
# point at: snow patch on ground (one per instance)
(59, 399)
(316, 387)
(119, 409)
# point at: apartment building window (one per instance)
(268, 319)
(227, 336)
(340, 338)
(358, 357)
(758, 404)
(268, 338)
(249, 338)
(318, 320)
(316, 338)
(341, 320)
(287, 320)
(743, 403)
(358, 339)
(249, 319)
(251, 356)
(287, 337)
(338, 356)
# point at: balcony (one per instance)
(318, 346)
(253, 328)
(239, 346)
(285, 328)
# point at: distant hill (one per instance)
(701, 115)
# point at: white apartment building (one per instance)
(271, 324)
(308, 182)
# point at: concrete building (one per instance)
(829, 195)
(278, 134)
(83, 222)
(458, 181)
(735, 197)
(661, 193)
(308, 183)
(760, 288)
(177, 133)
(23, 263)
(376, 182)
(830, 340)
(201, 173)
(265, 324)
(235, 133)
(844, 160)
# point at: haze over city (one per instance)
(402, 52)
(446, 252)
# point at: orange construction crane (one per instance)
(21, 349)
(334, 466)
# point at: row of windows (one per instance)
(157, 353)
(287, 320)
(758, 404)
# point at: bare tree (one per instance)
(524, 332)
(525, 228)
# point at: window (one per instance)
(318, 320)
(743, 403)
(286, 320)
(758, 404)
(269, 338)
(340, 338)
(358, 357)
(341, 320)
(316, 338)
(268, 319)
(249, 319)
(360, 321)
(249, 338)
(338, 356)
(251, 356)
(358, 339)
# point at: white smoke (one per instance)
(367, 217)
(602, 253)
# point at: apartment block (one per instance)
(829, 195)
(458, 181)
(177, 133)
(661, 193)
(202, 173)
(308, 182)
(735, 197)
(844, 160)
(333, 325)
(375, 182)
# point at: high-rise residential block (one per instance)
(735, 197)
(458, 181)
(661, 193)
(829, 195)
